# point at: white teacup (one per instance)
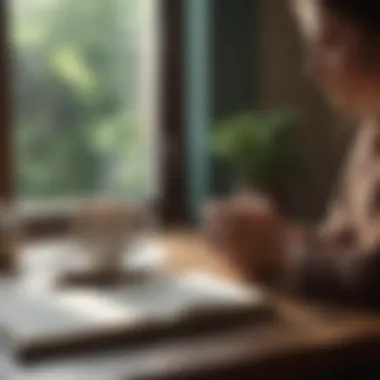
(105, 231)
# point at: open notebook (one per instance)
(41, 323)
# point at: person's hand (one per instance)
(250, 233)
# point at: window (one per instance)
(84, 78)
(79, 115)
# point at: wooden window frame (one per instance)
(6, 181)
(171, 206)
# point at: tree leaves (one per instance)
(75, 72)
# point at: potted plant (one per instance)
(256, 149)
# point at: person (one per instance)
(339, 260)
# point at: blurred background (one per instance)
(167, 101)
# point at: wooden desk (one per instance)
(300, 340)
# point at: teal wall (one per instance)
(198, 100)
(234, 71)
(220, 72)
(233, 56)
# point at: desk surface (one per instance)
(300, 339)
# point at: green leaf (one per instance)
(257, 145)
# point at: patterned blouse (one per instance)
(342, 261)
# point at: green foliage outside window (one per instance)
(76, 122)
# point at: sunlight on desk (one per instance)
(173, 300)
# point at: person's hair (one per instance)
(365, 13)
